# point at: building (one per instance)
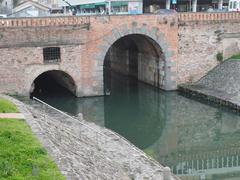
(184, 5)
(30, 8)
(90, 7)
(6, 6)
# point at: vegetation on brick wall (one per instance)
(219, 56)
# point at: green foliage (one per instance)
(236, 56)
(219, 56)
(7, 107)
(22, 156)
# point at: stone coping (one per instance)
(219, 98)
(221, 85)
(12, 116)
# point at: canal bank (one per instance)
(81, 153)
(221, 85)
(196, 140)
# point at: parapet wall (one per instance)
(45, 21)
(81, 20)
(184, 18)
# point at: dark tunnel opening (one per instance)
(53, 83)
(136, 56)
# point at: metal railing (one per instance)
(65, 114)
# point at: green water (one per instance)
(196, 140)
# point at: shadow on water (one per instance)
(127, 106)
(198, 141)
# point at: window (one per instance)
(51, 55)
(231, 5)
(234, 5)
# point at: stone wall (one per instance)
(118, 60)
(20, 66)
(201, 37)
(151, 70)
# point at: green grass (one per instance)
(7, 107)
(22, 157)
(236, 56)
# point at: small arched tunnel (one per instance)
(51, 83)
(138, 56)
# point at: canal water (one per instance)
(196, 140)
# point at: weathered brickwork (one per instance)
(84, 43)
(201, 37)
(188, 43)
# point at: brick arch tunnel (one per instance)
(53, 82)
(138, 56)
(141, 58)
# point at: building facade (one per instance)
(185, 5)
(30, 9)
(91, 7)
(6, 6)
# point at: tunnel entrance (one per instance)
(137, 56)
(53, 83)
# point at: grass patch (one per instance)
(7, 107)
(22, 157)
(236, 56)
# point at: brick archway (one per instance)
(67, 77)
(156, 35)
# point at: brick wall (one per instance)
(189, 43)
(83, 48)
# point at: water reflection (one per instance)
(131, 113)
(196, 140)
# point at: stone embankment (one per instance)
(221, 85)
(84, 150)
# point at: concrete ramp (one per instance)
(221, 85)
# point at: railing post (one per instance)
(166, 173)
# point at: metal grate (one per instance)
(51, 54)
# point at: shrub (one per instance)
(219, 56)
